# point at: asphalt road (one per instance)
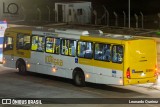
(14, 85)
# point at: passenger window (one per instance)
(38, 43)
(8, 43)
(68, 47)
(65, 46)
(117, 53)
(23, 42)
(72, 47)
(52, 45)
(102, 52)
(34, 43)
(57, 46)
(85, 49)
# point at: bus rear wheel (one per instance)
(21, 68)
(79, 79)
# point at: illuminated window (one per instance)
(72, 47)
(38, 43)
(53, 45)
(68, 47)
(8, 43)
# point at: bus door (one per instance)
(85, 54)
(9, 48)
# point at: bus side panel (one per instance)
(102, 72)
(52, 64)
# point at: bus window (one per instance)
(8, 43)
(85, 49)
(53, 45)
(34, 43)
(72, 47)
(65, 47)
(41, 42)
(68, 47)
(117, 54)
(102, 52)
(50, 44)
(23, 42)
(38, 43)
(57, 46)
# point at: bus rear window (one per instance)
(8, 43)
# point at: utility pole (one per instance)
(129, 14)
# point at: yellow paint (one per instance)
(12, 32)
(54, 61)
(139, 55)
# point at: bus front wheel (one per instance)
(21, 67)
(79, 79)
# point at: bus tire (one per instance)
(21, 68)
(79, 79)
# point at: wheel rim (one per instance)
(22, 68)
(79, 79)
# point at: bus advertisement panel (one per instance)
(3, 26)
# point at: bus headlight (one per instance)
(4, 61)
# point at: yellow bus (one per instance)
(81, 55)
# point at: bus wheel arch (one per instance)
(21, 66)
(78, 77)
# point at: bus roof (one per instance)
(73, 33)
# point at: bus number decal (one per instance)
(52, 60)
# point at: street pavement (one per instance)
(151, 85)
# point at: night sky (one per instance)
(146, 6)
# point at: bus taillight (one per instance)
(128, 73)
